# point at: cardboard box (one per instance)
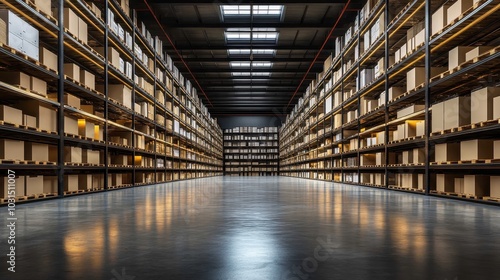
(457, 9)
(11, 115)
(496, 149)
(46, 117)
(71, 21)
(29, 121)
(82, 31)
(87, 79)
(121, 93)
(19, 34)
(410, 110)
(3, 32)
(70, 125)
(44, 6)
(70, 183)
(86, 128)
(459, 185)
(407, 157)
(72, 154)
(415, 77)
(11, 149)
(90, 156)
(476, 149)
(39, 86)
(16, 79)
(496, 108)
(73, 71)
(394, 92)
(418, 155)
(84, 181)
(19, 187)
(447, 152)
(477, 185)
(420, 128)
(87, 108)
(477, 51)
(118, 159)
(482, 104)
(439, 20)
(437, 117)
(117, 180)
(407, 129)
(49, 184)
(409, 180)
(34, 185)
(457, 56)
(48, 58)
(113, 55)
(36, 151)
(495, 186)
(445, 182)
(457, 112)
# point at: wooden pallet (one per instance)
(472, 161)
(444, 163)
(10, 161)
(457, 195)
(489, 198)
(70, 135)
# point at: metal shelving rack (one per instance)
(477, 26)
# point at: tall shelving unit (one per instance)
(375, 115)
(141, 122)
(251, 151)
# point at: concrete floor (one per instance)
(268, 228)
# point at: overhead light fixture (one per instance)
(253, 74)
(255, 10)
(256, 34)
(239, 64)
(249, 51)
(257, 64)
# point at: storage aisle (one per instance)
(256, 228)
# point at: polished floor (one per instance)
(247, 228)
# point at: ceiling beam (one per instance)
(230, 70)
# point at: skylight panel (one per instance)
(268, 10)
(255, 10)
(261, 64)
(238, 51)
(240, 64)
(236, 10)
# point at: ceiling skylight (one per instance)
(247, 64)
(253, 74)
(257, 34)
(255, 10)
(249, 51)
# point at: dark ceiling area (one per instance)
(248, 57)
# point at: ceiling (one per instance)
(248, 59)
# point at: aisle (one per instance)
(255, 228)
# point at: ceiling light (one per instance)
(240, 64)
(255, 10)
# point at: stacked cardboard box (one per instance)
(19, 187)
(11, 149)
(20, 35)
(457, 9)
(11, 115)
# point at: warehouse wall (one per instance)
(258, 121)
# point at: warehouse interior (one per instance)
(351, 139)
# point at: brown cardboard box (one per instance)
(86, 128)
(82, 31)
(459, 185)
(457, 112)
(117, 180)
(19, 187)
(36, 151)
(121, 93)
(49, 184)
(29, 120)
(379, 179)
(98, 181)
(457, 9)
(69, 100)
(437, 117)
(407, 157)
(457, 56)
(72, 154)
(495, 186)
(84, 181)
(87, 79)
(420, 131)
(409, 180)
(87, 108)
(421, 183)
(11, 149)
(482, 104)
(476, 149)
(44, 6)
(367, 159)
(407, 129)
(70, 183)
(496, 149)
(496, 108)
(410, 110)
(477, 185)
(415, 77)
(118, 159)
(73, 71)
(39, 86)
(92, 157)
(34, 185)
(16, 79)
(11, 115)
(418, 155)
(46, 117)
(447, 152)
(445, 182)
(70, 125)
(113, 55)
(3, 32)
(48, 58)
(71, 21)
(475, 52)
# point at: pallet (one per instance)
(489, 198)
(10, 161)
(70, 135)
(444, 163)
(406, 189)
(73, 192)
(33, 5)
